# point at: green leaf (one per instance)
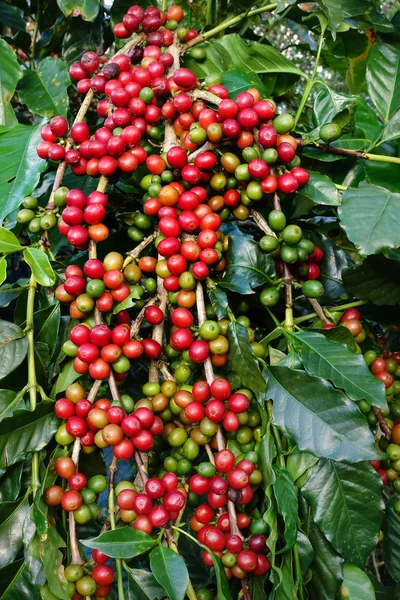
(121, 543)
(356, 585)
(247, 266)
(142, 585)
(44, 90)
(219, 301)
(383, 78)
(329, 428)
(16, 583)
(242, 360)
(20, 166)
(10, 483)
(392, 129)
(368, 215)
(340, 335)
(40, 265)
(343, 368)
(46, 324)
(338, 494)
(12, 16)
(237, 81)
(298, 463)
(217, 59)
(223, 590)
(129, 302)
(25, 432)
(9, 75)
(377, 280)
(67, 376)
(12, 517)
(87, 9)
(334, 13)
(88, 36)
(52, 560)
(3, 269)
(8, 241)
(306, 552)
(327, 567)
(284, 589)
(13, 347)
(9, 402)
(286, 500)
(257, 58)
(170, 570)
(321, 190)
(391, 541)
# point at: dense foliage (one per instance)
(199, 280)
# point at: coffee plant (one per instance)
(199, 339)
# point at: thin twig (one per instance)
(382, 422)
(133, 254)
(319, 311)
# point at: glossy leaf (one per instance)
(222, 581)
(383, 78)
(236, 81)
(121, 543)
(13, 347)
(40, 265)
(378, 209)
(286, 499)
(285, 589)
(340, 335)
(327, 567)
(9, 402)
(170, 571)
(377, 280)
(247, 266)
(391, 541)
(44, 90)
(319, 418)
(142, 585)
(12, 16)
(3, 269)
(12, 517)
(343, 368)
(67, 376)
(129, 302)
(46, 325)
(8, 241)
(242, 360)
(217, 59)
(87, 9)
(20, 166)
(219, 301)
(306, 551)
(338, 493)
(298, 463)
(392, 129)
(333, 12)
(52, 560)
(321, 190)
(25, 432)
(356, 585)
(257, 58)
(16, 583)
(88, 36)
(9, 75)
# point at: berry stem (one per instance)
(233, 21)
(319, 311)
(327, 148)
(311, 82)
(312, 315)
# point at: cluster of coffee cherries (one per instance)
(80, 495)
(150, 21)
(103, 424)
(97, 584)
(291, 247)
(351, 319)
(35, 216)
(160, 502)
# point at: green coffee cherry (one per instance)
(313, 289)
(292, 234)
(25, 215)
(283, 123)
(269, 296)
(330, 132)
(30, 202)
(277, 220)
(269, 243)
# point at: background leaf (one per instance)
(356, 585)
(16, 582)
(345, 369)
(9, 75)
(142, 585)
(25, 432)
(391, 541)
(337, 493)
(327, 567)
(44, 90)
(286, 500)
(330, 428)
(8, 241)
(321, 190)
(40, 265)
(376, 208)
(383, 78)
(12, 517)
(20, 166)
(247, 266)
(121, 543)
(87, 9)
(377, 279)
(242, 360)
(170, 570)
(13, 347)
